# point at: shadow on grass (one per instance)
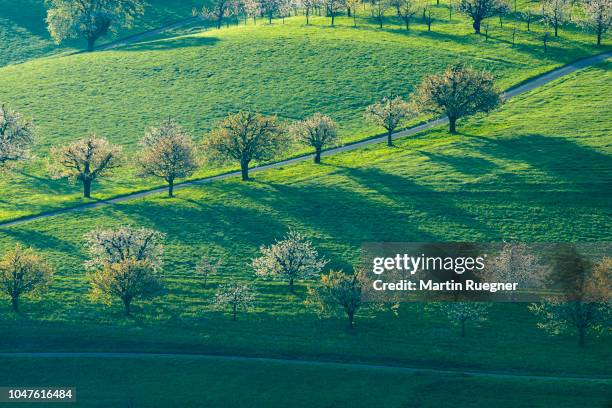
(463, 164)
(40, 240)
(50, 186)
(171, 44)
(558, 156)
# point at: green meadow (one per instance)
(287, 69)
(521, 173)
(201, 382)
(537, 169)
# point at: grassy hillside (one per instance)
(24, 36)
(289, 69)
(197, 382)
(522, 173)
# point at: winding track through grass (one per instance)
(332, 364)
(512, 92)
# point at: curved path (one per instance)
(312, 363)
(512, 92)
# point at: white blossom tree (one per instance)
(252, 9)
(207, 267)
(338, 291)
(390, 113)
(515, 263)
(317, 131)
(406, 10)
(235, 295)
(352, 6)
(23, 272)
(378, 9)
(109, 246)
(333, 8)
(598, 15)
(126, 280)
(84, 160)
(167, 153)
(290, 259)
(553, 13)
(272, 8)
(459, 313)
(125, 263)
(16, 136)
(218, 11)
(584, 307)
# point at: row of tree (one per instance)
(92, 19)
(126, 264)
(596, 14)
(169, 153)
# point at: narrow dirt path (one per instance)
(518, 90)
(312, 363)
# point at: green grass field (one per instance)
(24, 36)
(287, 69)
(536, 170)
(521, 173)
(196, 382)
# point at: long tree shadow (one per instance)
(558, 156)
(438, 206)
(50, 186)
(40, 240)
(171, 43)
(464, 164)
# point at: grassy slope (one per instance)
(520, 173)
(289, 69)
(24, 36)
(194, 382)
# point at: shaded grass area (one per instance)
(287, 69)
(187, 382)
(537, 170)
(24, 35)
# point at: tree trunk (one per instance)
(171, 187)
(407, 21)
(244, 167)
(90, 44)
(317, 157)
(351, 319)
(556, 29)
(87, 188)
(332, 17)
(599, 30)
(476, 26)
(15, 303)
(307, 18)
(452, 125)
(234, 312)
(270, 18)
(389, 137)
(126, 306)
(291, 285)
